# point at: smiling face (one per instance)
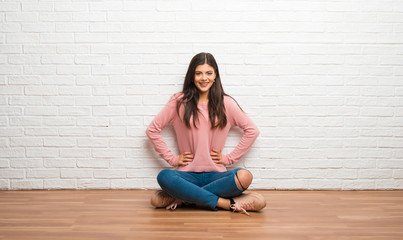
(204, 79)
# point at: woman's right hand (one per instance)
(185, 158)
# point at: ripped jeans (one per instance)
(202, 189)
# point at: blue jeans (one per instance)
(202, 189)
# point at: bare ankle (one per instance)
(223, 203)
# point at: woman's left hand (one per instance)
(216, 156)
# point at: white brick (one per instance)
(91, 101)
(93, 184)
(12, 173)
(91, 59)
(42, 152)
(71, 27)
(375, 174)
(10, 48)
(358, 184)
(89, 17)
(58, 101)
(56, 38)
(127, 163)
(92, 163)
(4, 163)
(9, 6)
(43, 173)
(75, 153)
(26, 163)
(38, 28)
(55, 17)
(10, 111)
(75, 131)
(91, 80)
(59, 163)
(21, 17)
(109, 91)
(59, 142)
(60, 184)
(41, 111)
(4, 184)
(127, 183)
(125, 121)
(96, 122)
(107, 69)
(106, 27)
(74, 111)
(143, 173)
(75, 91)
(26, 142)
(58, 59)
(73, 69)
(126, 100)
(91, 37)
(71, 6)
(26, 184)
(59, 121)
(41, 90)
(391, 164)
(76, 173)
(110, 173)
(42, 49)
(108, 111)
(108, 153)
(92, 142)
(24, 80)
(38, 131)
(387, 184)
(11, 132)
(73, 48)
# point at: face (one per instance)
(204, 78)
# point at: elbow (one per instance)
(148, 132)
(256, 132)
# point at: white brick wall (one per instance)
(81, 80)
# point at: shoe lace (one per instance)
(240, 207)
(173, 205)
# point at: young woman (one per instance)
(202, 115)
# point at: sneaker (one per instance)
(162, 199)
(248, 202)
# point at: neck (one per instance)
(203, 97)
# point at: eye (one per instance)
(198, 73)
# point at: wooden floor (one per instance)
(126, 214)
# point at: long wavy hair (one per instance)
(190, 98)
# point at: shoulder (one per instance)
(230, 103)
(177, 96)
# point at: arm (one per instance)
(165, 116)
(237, 117)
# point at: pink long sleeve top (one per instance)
(202, 140)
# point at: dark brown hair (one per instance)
(190, 92)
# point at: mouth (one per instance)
(203, 84)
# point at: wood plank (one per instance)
(127, 214)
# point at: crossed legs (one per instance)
(205, 189)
